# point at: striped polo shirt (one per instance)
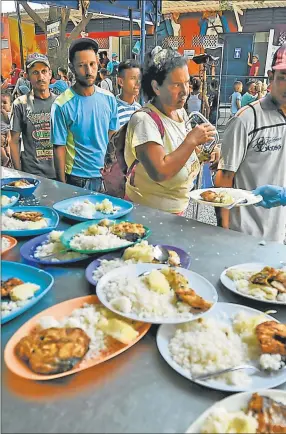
(125, 110)
(81, 123)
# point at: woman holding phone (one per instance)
(160, 148)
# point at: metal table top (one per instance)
(136, 392)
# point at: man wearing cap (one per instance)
(31, 115)
(254, 153)
(83, 118)
(112, 70)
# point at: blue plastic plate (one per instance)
(74, 230)
(48, 213)
(27, 274)
(22, 191)
(125, 207)
(27, 252)
(10, 194)
(184, 256)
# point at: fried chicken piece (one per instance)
(191, 298)
(272, 337)
(264, 276)
(270, 414)
(124, 228)
(209, 196)
(19, 183)
(32, 216)
(279, 281)
(255, 406)
(181, 287)
(8, 285)
(53, 350)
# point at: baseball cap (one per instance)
(36, 58)
(114, 55)
(256, 55)
(58, 87)
(79, 44)
(24, 89)
(279, 59)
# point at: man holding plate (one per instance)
(254, 153)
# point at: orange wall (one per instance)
(190, 27)
(6, 56)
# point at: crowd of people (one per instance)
(60, 129)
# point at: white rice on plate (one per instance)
(207, 345)
(6, 200)
(87, 209)
(5, 244)
(10, 223)
(9, 306)
(132, 295)
(54, 246)
(109, 265)
(97, 242)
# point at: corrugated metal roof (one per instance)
(215, 5)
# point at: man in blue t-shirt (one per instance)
(236, 97)
(83, 119)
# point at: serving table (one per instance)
(136, 392)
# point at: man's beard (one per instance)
(84, 83)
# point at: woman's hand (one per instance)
(201, 134)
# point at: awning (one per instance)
(216, 5)
(115, 8)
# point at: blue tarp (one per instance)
(119, 8)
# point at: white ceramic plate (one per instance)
(251, 266)
(234, 192)
(234, 403)
(222, 312)
(201, 285)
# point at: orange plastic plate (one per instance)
(18, 367)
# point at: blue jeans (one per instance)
(92, 184)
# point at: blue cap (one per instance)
(59, 87)
(114, 55)
(24, 89)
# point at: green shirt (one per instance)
(247, 99)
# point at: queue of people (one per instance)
(66, 136)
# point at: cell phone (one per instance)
(196, 118)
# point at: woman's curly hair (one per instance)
(158, 64)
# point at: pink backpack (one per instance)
(115, 180)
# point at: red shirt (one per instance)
(15, 76)
(252, 69)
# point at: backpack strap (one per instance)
(158, 121)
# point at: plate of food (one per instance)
(85, 333)
(156, 293)
(224, 197)
(47, 249)
(25, 221)
(7, 243)
(257, 282)
(142, 252)
(228, 336)
(258, 412)
(95, 237)
(22, 286)
(23, 186)
(93, 207)
(9, 199)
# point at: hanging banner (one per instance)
(53, 34)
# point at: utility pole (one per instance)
(20, 33)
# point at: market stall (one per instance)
(136, 391)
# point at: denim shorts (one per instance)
(92, 184)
